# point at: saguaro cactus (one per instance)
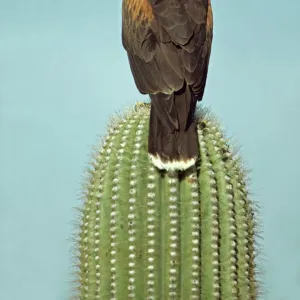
(148, 234)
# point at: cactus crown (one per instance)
(147, 234)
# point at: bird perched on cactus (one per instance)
(168, 43)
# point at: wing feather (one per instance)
(170, 49)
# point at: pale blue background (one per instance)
(63, 72)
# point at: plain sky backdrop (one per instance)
(63, 72)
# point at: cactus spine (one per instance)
(146, 234)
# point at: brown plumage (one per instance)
(168, 43)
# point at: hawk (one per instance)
(168, 43)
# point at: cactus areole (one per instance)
(151, 234)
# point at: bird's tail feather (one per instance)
(173, 141)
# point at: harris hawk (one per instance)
(168, 43)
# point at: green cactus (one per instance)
(149, 234)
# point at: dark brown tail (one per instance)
(173, 141)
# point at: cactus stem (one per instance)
(152, 234)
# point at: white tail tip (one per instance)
(174, 165)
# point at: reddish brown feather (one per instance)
(209, 21)
(140, 10)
